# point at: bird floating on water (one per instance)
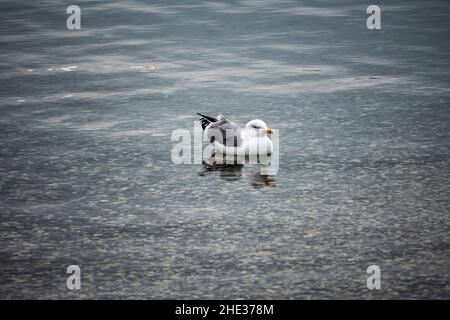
(231, 138)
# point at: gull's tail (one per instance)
(205, 120)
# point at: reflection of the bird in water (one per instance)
(234, 171)
(258, 180)
(230, 172)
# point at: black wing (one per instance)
(206, 121)
(225, 131)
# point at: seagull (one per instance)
(230, 138)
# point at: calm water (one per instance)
(85, 170)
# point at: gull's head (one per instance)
(257, 128)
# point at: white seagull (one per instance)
(230, 138)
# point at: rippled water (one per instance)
(85, 170)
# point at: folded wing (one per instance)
(222, 130)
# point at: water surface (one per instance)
(85, 170)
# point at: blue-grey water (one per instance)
(86, 176)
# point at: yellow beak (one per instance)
(269, 130)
